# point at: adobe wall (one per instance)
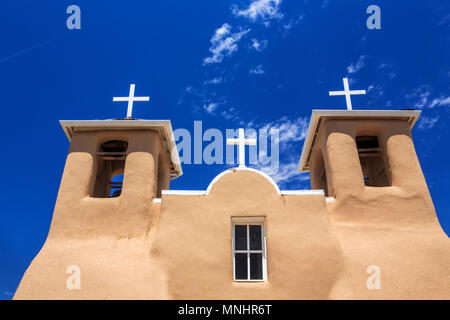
(108, 238)
(194, 246)
(133, 248)
(394, 227)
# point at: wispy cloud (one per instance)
(419, 96)
(441, 101)
(291, 130)
(288, 26)
(387, 69)
(427, 122)
(375, 90)
(259, 45)
(232, 114)
(263, 10)
(422, 97)
(224, 43)
(216, 80)
(257, 70)
(210, 107)
(286, 173)
(356, 66)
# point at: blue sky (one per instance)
(230, 64)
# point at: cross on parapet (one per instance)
(347, 93)
(241, 142)
(131, 98)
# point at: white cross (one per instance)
(241, 141)
(131, 98)
(347, 93)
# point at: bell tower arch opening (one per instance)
(110, 158)
(373, 160)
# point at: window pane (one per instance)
(256, 266)
(255, 238)
(240, 237)
(240, 268)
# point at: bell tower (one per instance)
(98, 223)
(357, 151)
(378, 201)
(140, 150)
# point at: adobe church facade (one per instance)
(243, 237)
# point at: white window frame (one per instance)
(260, 221)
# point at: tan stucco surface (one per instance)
(133, 248)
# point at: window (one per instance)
(373, 161)
(110, 167)
(249, 249)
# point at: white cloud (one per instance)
(376, 90)
(384, 65)
(216, 80)
(419, 96)
(285, 173)
(441, 101)
(259, 45)
(358, 65)
(210, 107)
(427, 122)
(290, 130)
(224, 43)
(257, 70)
(288, 26)
(260, 9)
(387, 69)
(231, 114)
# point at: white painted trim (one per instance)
(157, 200)
(317, 115)
(183, 193)
(248, 219)
(165, 127)
(302, 192)
(220, 175)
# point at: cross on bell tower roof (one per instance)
(347, 93)
(130, 99)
